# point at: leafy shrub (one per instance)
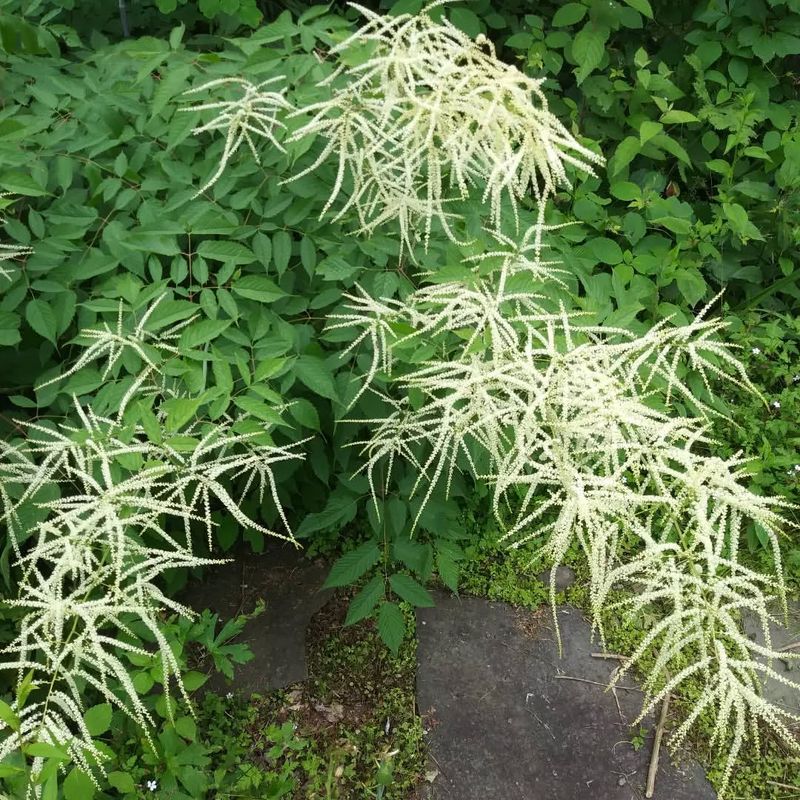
(206, 281)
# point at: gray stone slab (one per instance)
(291, 588)
(502, 723)
(782, 636)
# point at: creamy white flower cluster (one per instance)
(580, 430)
(111, 500)
(433, 116)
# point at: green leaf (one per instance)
(353, 564)
(257, 287)
(405, 587)
(98, 719)
(78, 786)
(122, 782)
(648, 129)
(605, 250)
(625, 190)
(281, 250)
(340, 509)
(199, 333)
(626, 151)
(691, 285)
(226, 251)
(677, 116)
(708, 53)
(179, 411)
(41, 318)
(315, 374)
(44, 750)
(674, 224)
(642, 6)
(258, 409)
(391, 626)
(308, 254)
(8, 716)
(590, 47)
(568, 14)
(466, 20)
(186, 728)
(362, 605)
(169, 85)
(448, 570)
(267, 368)
(305, 413)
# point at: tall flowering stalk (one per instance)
(117, 506)
(578, 428)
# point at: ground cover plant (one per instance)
(234, 251)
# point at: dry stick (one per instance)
(615, 656)
(614, 692)
(651, 773)
(793, 646)
(595, 683)
(784, 785)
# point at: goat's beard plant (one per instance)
(577, 427)
(115, 506)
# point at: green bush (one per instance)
(695, 109)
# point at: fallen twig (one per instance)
(615, 656)
(651, 773)
(614, 692)
(595, 683)
(784, 786)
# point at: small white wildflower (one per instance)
(776, 403)
(152, 785)
(796, 378)
(229, 696)
(797, 467)
(756, 351)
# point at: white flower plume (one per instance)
(432, 117)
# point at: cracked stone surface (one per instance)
(782, 636)
(505, 720)
(291, 588)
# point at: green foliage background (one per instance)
(695, 106)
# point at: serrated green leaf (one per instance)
(41, 317)
(78, 786)
(410, 590)
(626, 151)
(226, 251)
(391, 626)
(352, 565)
(648, 129)
(257, 287)
(642, 6)
(281, 250)
(363, 604)
(305, 413)
(122, 782)
(590, 44)
(316, 375)
(199, 333)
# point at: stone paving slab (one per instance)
(782, 636)
(504, 726)
(291, 588)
